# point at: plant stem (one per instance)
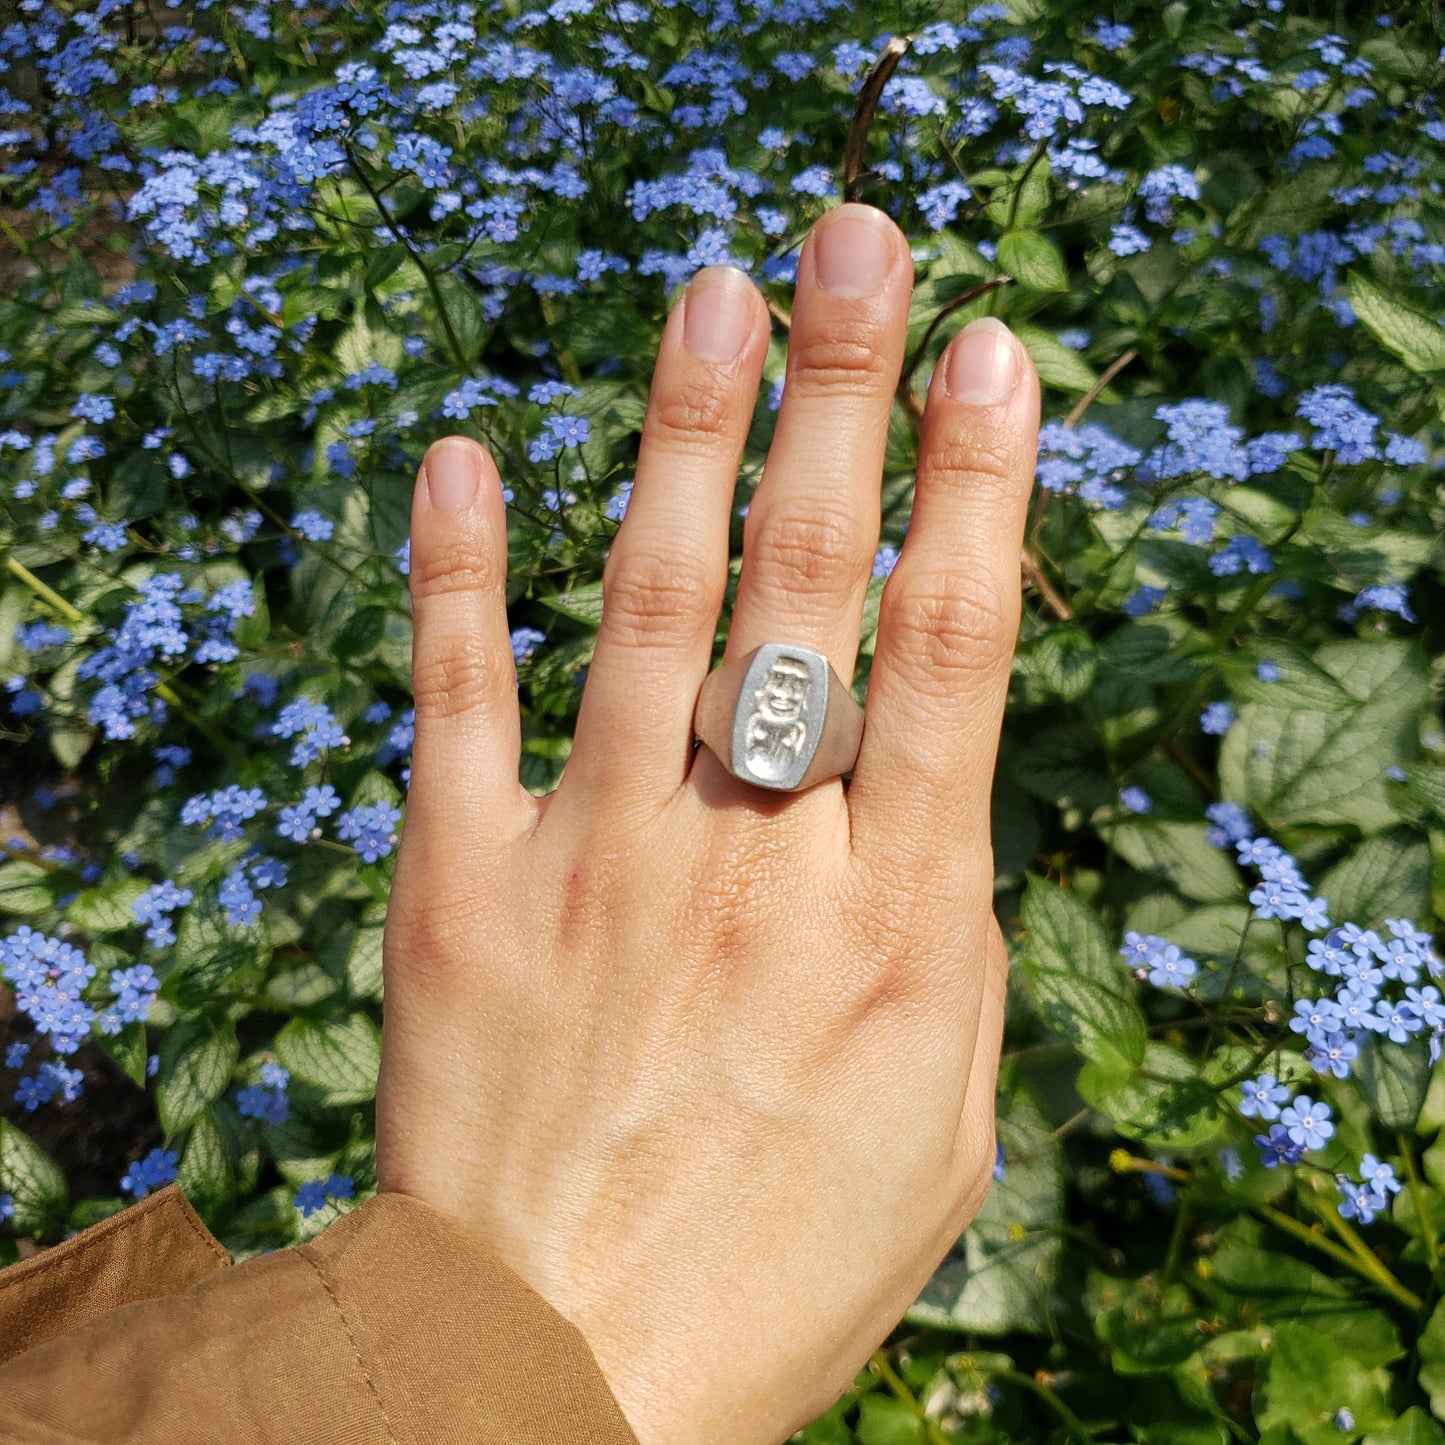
(902, 1392)
(1373, 1270)
(428, 275)
(1417, 1194)
(46, 594)
(1070, 1421)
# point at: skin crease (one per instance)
(713, 1068)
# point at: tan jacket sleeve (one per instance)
(392, 1325)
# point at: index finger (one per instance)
(950, 611)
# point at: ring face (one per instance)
(782, 707)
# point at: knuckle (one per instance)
(442, 567)
(428, 931)
(971, 464)
(946, 626)
(450, 680)
(686, 413)
(837, 359)
(813, 542)
(648, 598)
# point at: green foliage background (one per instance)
(1121, 1283)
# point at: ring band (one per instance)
(779, 718)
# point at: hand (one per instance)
(713, 1068)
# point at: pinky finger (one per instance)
(950, 611)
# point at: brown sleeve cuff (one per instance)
(156, 1247)
(392, 1326)
(458, 1346)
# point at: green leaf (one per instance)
(361, 343)
(1393, 1080)
(1149, 1331)
(1000, 1278)
(205, 1173)
(33, 1179)
(70, 741)
(25, 889)
(1063, 932)
(830, 1428)
(197, 1058)
(1308, 1380)
(610, 326)
(1414, 1427)
(1057, 366)
(1297, 765)
(340, 1057)
(1165, 1104)
(882, 1420)
(128, 1050)
(1179, 852)
(1431, 1346)
(209, 950)
(1076, 980)
(107, 909)
(1418, 340)
(1033, 261)
(581, 604)
(1387, 876)
(1063, 659)
(1105, 1026)
(464, 311)
(363, 964)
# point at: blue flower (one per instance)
(1363, 1204)
(370, 829)
(1342, 424)
(1308, 1123)
(525, 641)
(156, 1169)
(1172, 969)
(1276, 1147)
(1216, 718)
(316, 1194)
(1334, 1055)
(1262, 1097)
(1125, 240)
(1142, 601)
(1135, 799)
(313, 526)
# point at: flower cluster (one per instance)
(316, 1194)
(157, 1169)
(268, 1099)
(1379, 991)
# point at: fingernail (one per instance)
(452, 471)
(983, 365)
(853, 252)
(718, 313)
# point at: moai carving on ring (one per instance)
(777, 728)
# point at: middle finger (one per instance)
(812, 526)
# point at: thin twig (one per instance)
(1036, 577)
(853, 174)
(905, 382)
(1089, 397)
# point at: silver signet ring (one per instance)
(780, 718)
